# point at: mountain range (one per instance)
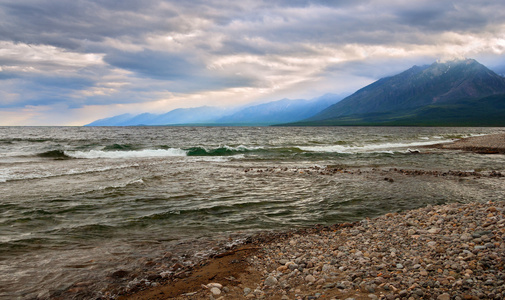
(275, 112)
(454, 93)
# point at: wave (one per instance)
(220, 151)
(127, 154)
(8, 176)
(123, 151)
(384, 147)
(120, 147)
(55, 154)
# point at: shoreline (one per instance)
(435, 252)
(239, 267)
(431, 252)
(486, 144)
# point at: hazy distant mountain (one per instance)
(281, 111)
(263, 114)
(196, 115)
(112, 121)
(455, 93)
(203, 114)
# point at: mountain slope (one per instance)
(112, 121)
(203, 114)
(281, 111)
(264, 114)
(401, 97)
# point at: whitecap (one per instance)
(368, 148)
(127, 154)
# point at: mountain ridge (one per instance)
(453, 93)
(404, 99)
(280, 111)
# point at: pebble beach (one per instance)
(452, 251)
(442, 252)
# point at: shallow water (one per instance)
(79, 203)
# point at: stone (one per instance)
(215, 284)
(310, 278)
(434, 230)
(247, 291)
(444, 296)
(329, 285)
(466, 237)
(215, 291)
(327, 268)
(271, 281)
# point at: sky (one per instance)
(70, 62)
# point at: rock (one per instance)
(215, 291)
(271, 281)
(327, 268)
(466, 237)
(310, 278)
(215, 284)
(329, 285)
(247, 291)
(434, 230)
(120, 274)
(341, 286)
(444, 296)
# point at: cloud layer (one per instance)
(70, 62)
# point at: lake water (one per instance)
(79, 203)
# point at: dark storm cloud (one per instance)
(153, 64)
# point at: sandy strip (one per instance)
(487, 144)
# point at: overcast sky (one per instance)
(70, 62)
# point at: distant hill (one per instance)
(203, 114)
(280, 111)
(457, 93)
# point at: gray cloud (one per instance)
(99, 52)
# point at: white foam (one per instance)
(385, 147)
(122, 184)
(242, 148)
(127, 154)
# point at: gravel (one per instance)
(453, 251)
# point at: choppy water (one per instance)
(79, 203)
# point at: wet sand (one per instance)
(453, 251)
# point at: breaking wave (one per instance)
(55, 154)
(368, 148)
(126, 154)
(220, 151)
